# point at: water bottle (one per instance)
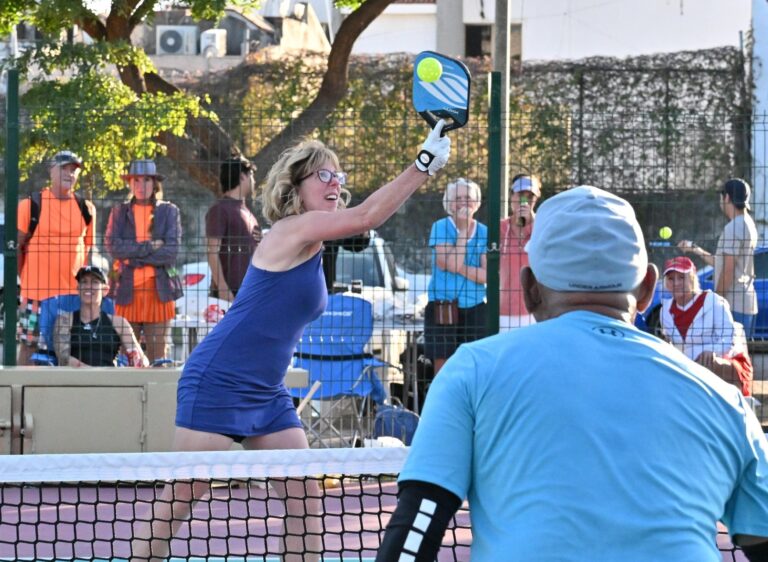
(521, 220)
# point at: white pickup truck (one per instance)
(398, 297)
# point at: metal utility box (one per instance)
(93, 410)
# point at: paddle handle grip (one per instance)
(432, 120)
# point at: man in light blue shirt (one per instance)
(581, 437)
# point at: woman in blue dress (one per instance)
(232, 386)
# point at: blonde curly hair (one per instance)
(279, 196)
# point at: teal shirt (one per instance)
(583, 438)
(445, 285)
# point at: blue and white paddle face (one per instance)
(441, 88)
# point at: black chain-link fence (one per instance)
(669, 164)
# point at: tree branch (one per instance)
(204, 147)
(206, 143)
(91, 24)
(144, 9)
(332, 89)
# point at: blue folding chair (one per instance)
(49, 309)
(332, 349)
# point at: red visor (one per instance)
(680, 263)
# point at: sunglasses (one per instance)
(326, 176)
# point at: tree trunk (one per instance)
(332, 89)
(203, 148)
(201, 151)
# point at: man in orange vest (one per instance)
(55, 234)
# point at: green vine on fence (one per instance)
(660, 122)
(654, 123)
(73, 100)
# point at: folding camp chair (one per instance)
(332, 349)
(49, 309)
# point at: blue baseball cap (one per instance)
(586, 239)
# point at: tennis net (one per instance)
(110, 506)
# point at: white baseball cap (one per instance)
(586, 239)
(526, 183)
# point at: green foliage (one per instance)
(49, 16)
(373, 129)
(101, 119)
(40, 64)
(650, 123)
(52, 16)
(12, 12)
(643, 123)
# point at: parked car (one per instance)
(398, 297)
(196, 302)
(651, 317)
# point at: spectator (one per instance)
(455, 312)
(231, 230)
(581, 437)
(89, 337)
(733, 259)
(514, 234)
(699, 323)
(143, 237)
(55, 234)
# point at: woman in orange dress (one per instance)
(143, 237)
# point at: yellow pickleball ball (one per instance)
(330, 482)
(429, 69)
(665, 233)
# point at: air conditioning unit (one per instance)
(213, 42)
(176, 39)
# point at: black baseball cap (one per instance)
(65, 157)
(94, 270)
(739, 192)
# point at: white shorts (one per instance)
(507, 323)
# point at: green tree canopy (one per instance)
(137, 112)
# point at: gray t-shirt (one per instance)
(739, 239)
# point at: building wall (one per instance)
(450, 27)
(305, 34)
(409, 28)
(574, 29)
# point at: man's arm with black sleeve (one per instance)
(419, 522)
(755, 548)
